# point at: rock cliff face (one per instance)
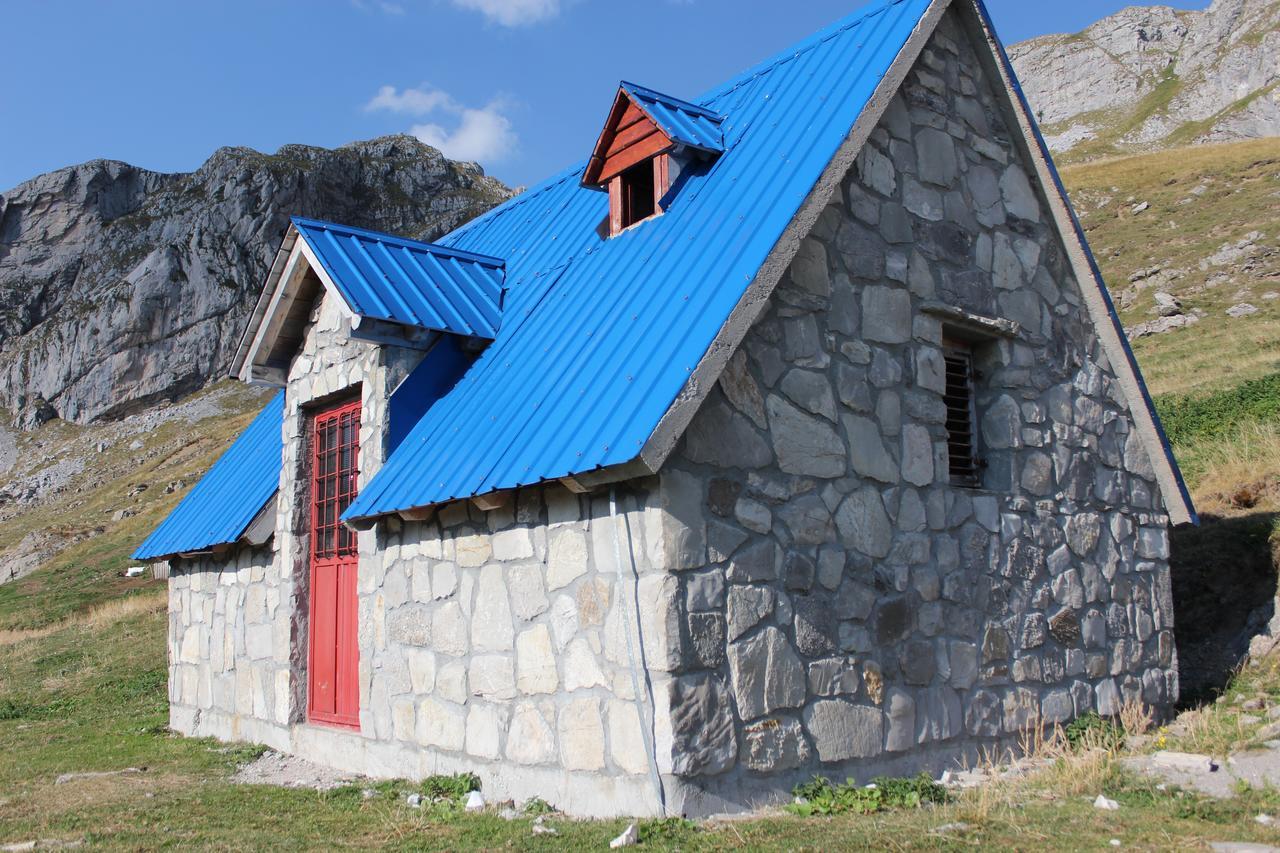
(120, 287)
(1151, 77)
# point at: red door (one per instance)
(334, 658)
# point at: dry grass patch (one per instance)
(1239, 471)
(98, 617)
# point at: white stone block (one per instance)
(626, 738)
(581, 731)
(536, 662)
(566, 556)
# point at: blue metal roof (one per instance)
(599, 335)
(683, 122)
(221, 506)
(409, 282)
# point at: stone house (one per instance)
(794, 432)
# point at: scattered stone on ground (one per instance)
(1162, 325)
(1106, 804)
(1233, 253)
(1184, 761)
(96, 774)
(41, 844)
(1258, 768)
(289, 771)
(1244, 309)
(1237, 847)
(414, 801)
(540, 827)
(1167, 305)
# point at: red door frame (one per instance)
(333, 658)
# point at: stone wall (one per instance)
(230, 671)
(843, 608)
(511, 643)
(514, 644)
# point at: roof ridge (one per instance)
(795, 51)
(689, 106)
(408, 242)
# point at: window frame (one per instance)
(619, 198)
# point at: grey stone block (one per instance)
(804, 443)
(842, 730)
(900, 716)
(703, 739)
(772, 745)
(815, 626)
(863, 523)
(766, 674)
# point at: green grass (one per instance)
(1195, 417)
(1178, 232)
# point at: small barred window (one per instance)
(962, 442)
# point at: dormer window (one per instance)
(639, 192)
(645, 145)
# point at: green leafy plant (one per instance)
(670, 830)
(450, 787)
(1092, 731)
(820, 797)
(538, 806)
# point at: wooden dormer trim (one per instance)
(629, 138)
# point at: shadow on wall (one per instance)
(1224, 594)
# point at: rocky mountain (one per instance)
(1154, 77)
(121, 287)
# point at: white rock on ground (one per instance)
(1106, 804)
(629, 838)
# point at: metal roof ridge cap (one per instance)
(795, 51)
(707, 112)
(409, 242)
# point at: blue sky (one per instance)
(519, 85)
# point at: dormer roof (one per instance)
(390, 278)
(643, 123)
(390, 288)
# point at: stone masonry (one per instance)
(842, 607)
(800, 589)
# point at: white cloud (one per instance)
(512, 13)
(484, 134)
(416, 102)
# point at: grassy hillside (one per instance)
(82, 653)
(1202, 202)
(87, 495)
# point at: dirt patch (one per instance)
(289, 771)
